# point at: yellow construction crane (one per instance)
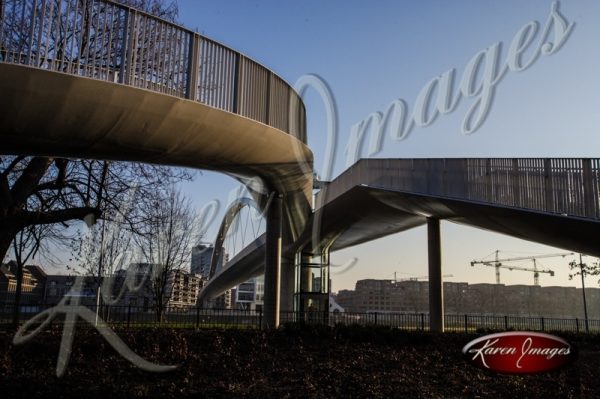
(497, 263)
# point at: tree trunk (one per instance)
(17, 310)
(7, 235)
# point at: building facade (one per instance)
(32, 288)
(250, 295)
(183, 289)
(387, 296)
(201, 258)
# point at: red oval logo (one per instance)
(519, 352)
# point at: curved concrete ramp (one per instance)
(55, 114)
(181, 99)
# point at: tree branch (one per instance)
(29, 179)
(57, 216)
(12, 165)
(5, 197)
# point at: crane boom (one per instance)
(531, 257)
(497, 263)
(525, 269)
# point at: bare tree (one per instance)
(102, 250)
(167, 243)
(43, 190)
(584, 270)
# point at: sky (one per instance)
(371, 53)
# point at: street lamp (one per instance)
(582, 272)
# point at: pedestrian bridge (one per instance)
(105, 81)
(553, 201)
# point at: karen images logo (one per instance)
(519, 352)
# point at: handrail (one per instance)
(565, 186)
(104, 40)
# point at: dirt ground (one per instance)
(293, 362)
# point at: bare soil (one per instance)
(293, 362)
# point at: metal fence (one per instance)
(139, 316)
(568, 186)
(104, 40)
(136, 317)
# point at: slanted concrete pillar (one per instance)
(273, 263)
(436, 293)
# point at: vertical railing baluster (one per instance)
(220, 70)
(109, 27)
(159, 71)
(548, 186)
(192, 82)
(128, 47)
(66, 32)
(57, 42)
(73, 39)
(240, 78)
(48, 57)
(140, 54)
(179, 65)
(99, 40)
(149, 25)
(166, 80)
(89, 64)
(589, 203)
(268, 99)
(84, 39)
(31, 31)
(236, 79)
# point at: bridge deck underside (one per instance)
(364, 213)
(383, 212)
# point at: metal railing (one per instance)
(453, 322)
(139, 316)
(568, 186)
(196, 317)
(104, 40)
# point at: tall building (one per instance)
(183, 289)
(201, 257)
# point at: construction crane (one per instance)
(497, 263)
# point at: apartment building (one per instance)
(32, 288)
(463, 298)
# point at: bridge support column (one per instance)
(436, 293)
(288, 281)
(273, 263)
